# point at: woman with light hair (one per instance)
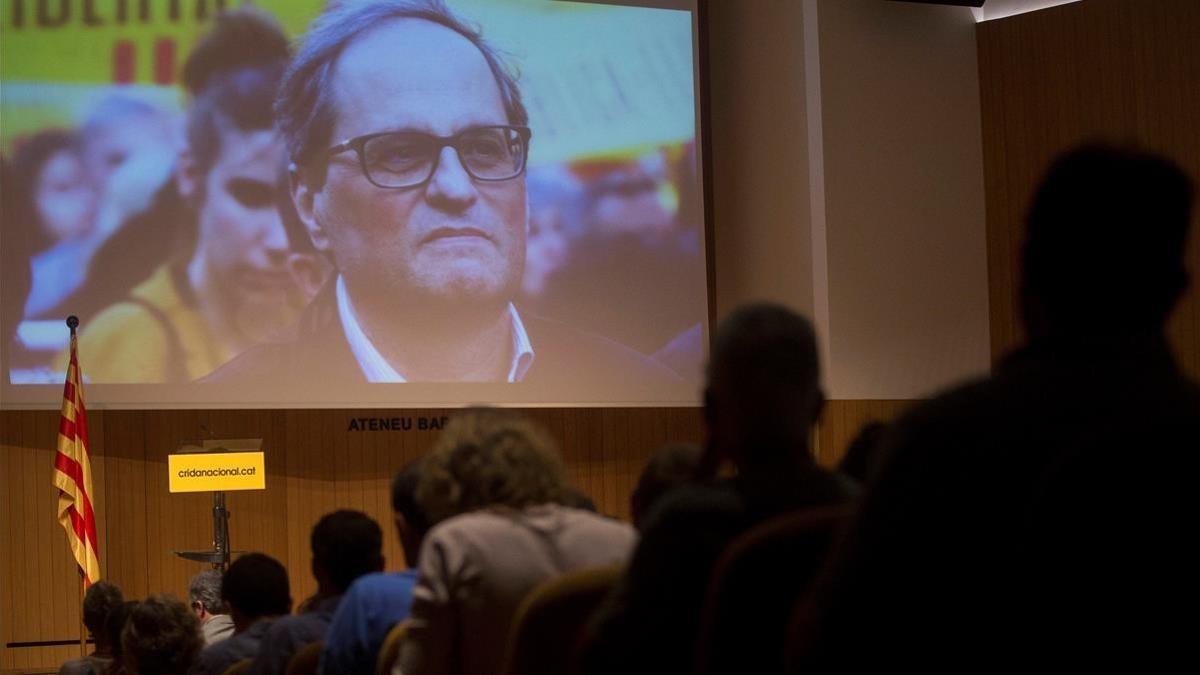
(494, 484)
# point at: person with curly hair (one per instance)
(494, 485)
(160, 637)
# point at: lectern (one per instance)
(216, 466)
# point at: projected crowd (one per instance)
(327, 215)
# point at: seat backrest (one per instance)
(756, 584)
(305, 661)
(390, 650)
(239, 667)
(549, 624)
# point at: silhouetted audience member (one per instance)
(862, 455)
(760, 403)
(345, 546)
(494, 484)
(256, 590)
(114, 624)
(204, 594)
(670, 466)
(1036, 516)
(578, 499)
(161, 637)
(380, 600)
(100, 599)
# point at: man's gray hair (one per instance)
(304, 108)
(205, 587)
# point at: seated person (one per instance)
(494, 484)
(160, 637)
(345, 546)
(204, 592)
(98, 602)
(256, 590)
(670, 466)
(380, 600)
(863, 452)
(761, 400)
(1037, 515)
(114, 623)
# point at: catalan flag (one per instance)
(73, 475)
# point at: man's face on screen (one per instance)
(453, 239)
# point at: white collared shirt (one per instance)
(377, 369)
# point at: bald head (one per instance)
(441, 68)
(306, 108)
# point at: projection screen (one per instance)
(309, 204)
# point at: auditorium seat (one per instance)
(549, 624)
(306, 660)
(755, 586)
(391, 648)
(239, 667)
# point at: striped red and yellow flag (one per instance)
(73, 476)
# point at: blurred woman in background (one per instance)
(55, 206)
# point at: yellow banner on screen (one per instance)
(210, 472)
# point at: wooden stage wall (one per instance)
(1122, 70)
(315, 464)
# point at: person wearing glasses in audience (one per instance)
(409, 142)
(204, 591)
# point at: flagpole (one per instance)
(72, 324)
(82, 626)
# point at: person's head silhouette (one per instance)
(1105, 245)
(763, 391)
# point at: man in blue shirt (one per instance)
(376, 602)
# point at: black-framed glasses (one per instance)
(402, 159)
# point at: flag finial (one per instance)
(72, 323)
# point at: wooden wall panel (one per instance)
(33, 608)
(7, 505)
(1124, 70)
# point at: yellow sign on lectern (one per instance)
(213, 472)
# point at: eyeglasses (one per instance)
(401, 159)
